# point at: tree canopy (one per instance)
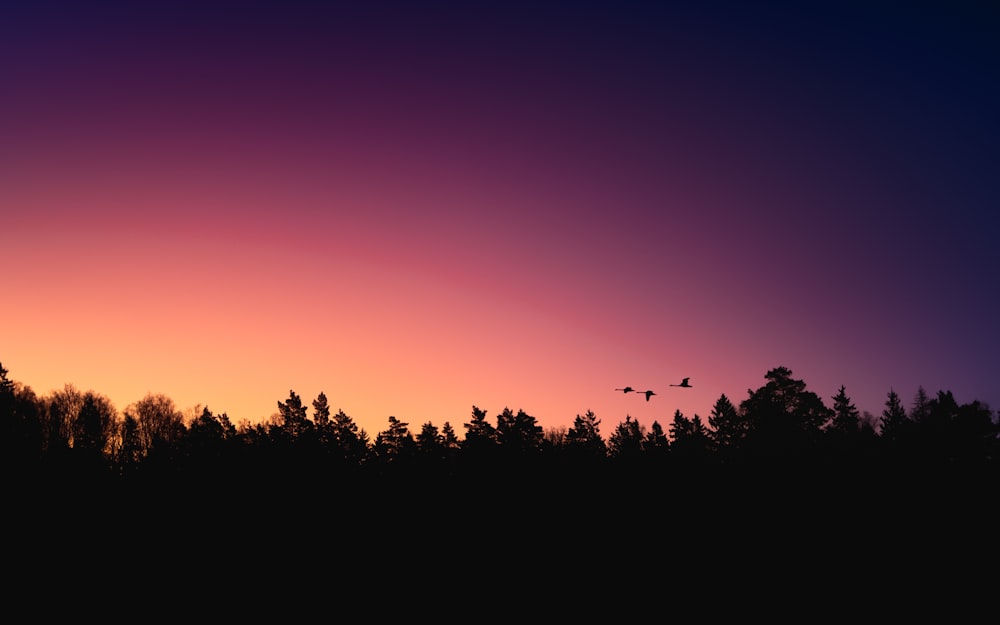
(780, 423)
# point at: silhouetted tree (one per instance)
(159, 425)
(293, 421)
(625, 443)
(680, 427)
(480, 437)
(583, 439)
(846, 417)
(209, 443)
(129, 451)
(850, 440)
(951, 433)
(317, 439)
(61, 408)
(728, 426)
(784, 418)
(518, 434)
(689, 440)
(975, 433)
(449, 440)
(351, 442)
(6, 390)
(894, 422)
(631, 472)
(321, 411)
(94, 430)
(218, 427)
(656, 445)
(437, 450)
(430, 442)
(920, 409)
(394, 444)
(20, 425)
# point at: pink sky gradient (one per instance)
(420, 209)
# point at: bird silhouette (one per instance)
(684, 383)
(627, 389)
(649, 394)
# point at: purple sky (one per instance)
(418, 207)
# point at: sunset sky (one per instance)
(417, 207)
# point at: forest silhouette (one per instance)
(779, 429)
(779, 477)
(781, 426)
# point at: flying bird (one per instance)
(649, 394)
(627, 389)
(683, 383)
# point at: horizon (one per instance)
(194, 410)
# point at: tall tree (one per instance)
(699, 432)
(436, 448)
(518, 433)
(292, 416)
(7, 416)
(480, 435)
(450, 440)
(209, 440)
(957, 434)
(61, 408)
(625, 443)
(6, 385)
(689, 439)
(656, 443)
(894, 421)
(728, 426)
(159, 425)
(584, 440)
(975, 434)
(321, 411)
(94, 428)
(395, 443)
(784, 418)
(851, 436)
(430, 442)
(350, 441)
(128, 453)
(20, 424)
(920, 409)
(321, 441)
(680, 427)
(846, 417)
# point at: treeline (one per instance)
(81, 435)
(778, 490)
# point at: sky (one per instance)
(420, 207)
